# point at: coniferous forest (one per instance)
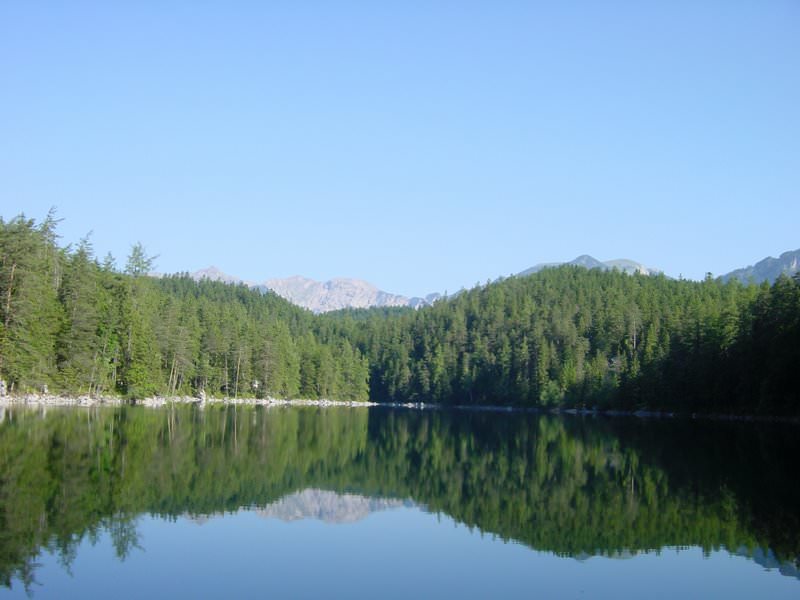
(76, 324)
(564, 337)
(587, 338)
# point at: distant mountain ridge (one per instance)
(768, 269)
(342, 292)
(212, 273)
(339, 293)
(584, 260)
(323, 296)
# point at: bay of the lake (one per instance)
(361, 503)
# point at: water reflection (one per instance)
(574, 487)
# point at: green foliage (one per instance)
(561, 338)
(572, 337)
(139, 263)
(74, 325)
(30, 314)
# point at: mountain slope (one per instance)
(319, 296)
(621, 264)
(768, 269)
(322, 296)
(212, 273)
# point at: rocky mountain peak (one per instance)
(323, 296)
(768, 269)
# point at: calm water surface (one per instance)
(291, 502)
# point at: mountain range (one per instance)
(341, 292)
(323, 296)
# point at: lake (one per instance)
(393, 503)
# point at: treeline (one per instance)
(564, 337)
(71, 323)
(572, 337)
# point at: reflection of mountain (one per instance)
(575, 487)
(327, 506)
(768, 560)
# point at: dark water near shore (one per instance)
(308, 502)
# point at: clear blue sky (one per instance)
(422, 146)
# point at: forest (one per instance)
(71, 323)
(572, 337)
(566, 337)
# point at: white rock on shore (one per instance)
(160, 401)
(52, 400)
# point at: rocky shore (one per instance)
(161, 401)
(53, 400)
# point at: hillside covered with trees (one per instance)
(563, 337)
(572, 337)
(74, 324)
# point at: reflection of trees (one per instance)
(568, 486)
(71, 474)
(574, 487)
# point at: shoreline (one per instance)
(85, 401)
(51, 400)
